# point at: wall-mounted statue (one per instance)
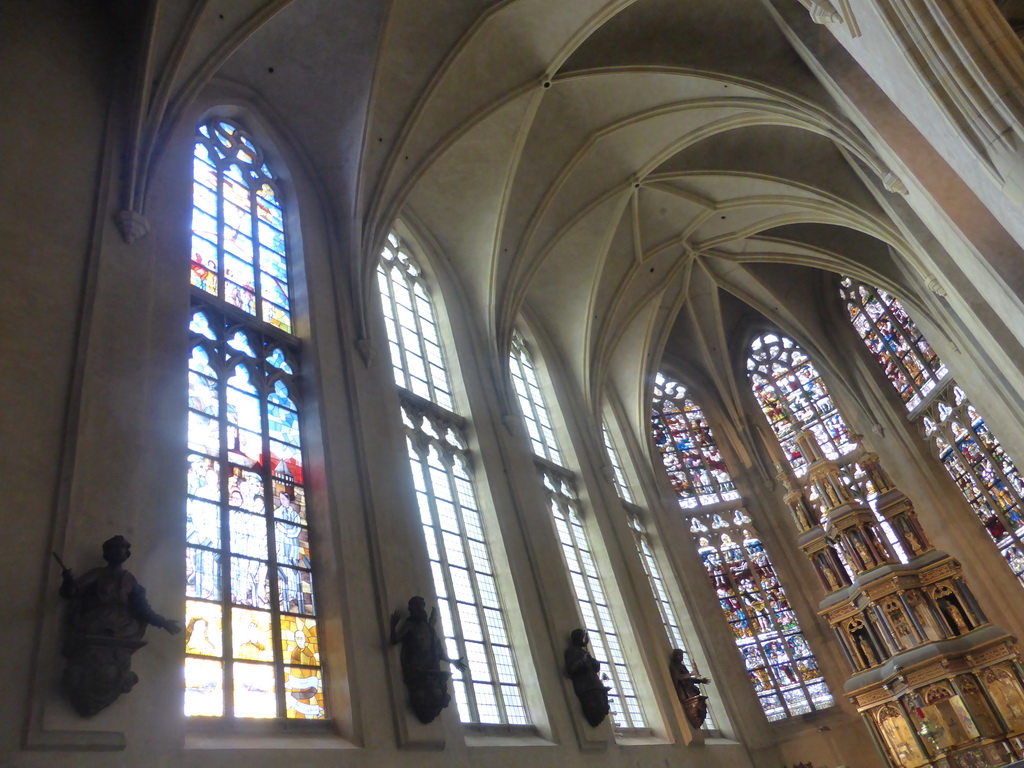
(422, 654)
(584, 670)
(695, 705)
(107, 618)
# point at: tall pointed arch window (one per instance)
(659, 588)
(621, 486)
(472, 615)
(779, 661)
(251, 637)
(985, 473)
(793, 397)
(909, 361)
(583, 571)
(661, 594)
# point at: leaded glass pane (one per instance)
(779, 663)
(793, 397)
(249, 579)
(986, 475)
(416, 355)
(625, 706)
(617, 474)
(531, 402)
(906, 357)
(238, 244)
(471, 615)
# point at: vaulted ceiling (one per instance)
(611, 170)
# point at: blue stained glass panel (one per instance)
(273, 264)
(249, 584)
(202, 523)
(202, 573)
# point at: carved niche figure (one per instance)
(586, 682)
(422, 654)
(694, 704)
(108, 616)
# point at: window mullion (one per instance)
(263, 387)
(226, 556)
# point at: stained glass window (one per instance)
(621, 486)
(251, 637)
(986, 475)
(905, 355)
(793, 397)
(238, 251)
(565, 510)
(590, 595)
(472, 616)
(252, 640)
(779, 662)
(782, 669)
(691, 458)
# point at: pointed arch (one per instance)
(251, 637)
(472, 613)
(985, 473)
(782, 669)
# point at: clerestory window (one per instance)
(251, 637)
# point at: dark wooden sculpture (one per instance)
(107, 618)
(422, 654)
(695, 705)
(584, 670)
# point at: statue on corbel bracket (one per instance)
(695, 704)
(107, 618)
(584, 670)
(422, 654)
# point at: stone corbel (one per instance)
(894, 184)
(132, 225)
(822, 12)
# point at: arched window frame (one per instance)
(775, 362)
(956, 432)
(262, 344)
(786, 682)
(474, 616)
(907, 359)
(587, 579)
(661, 589)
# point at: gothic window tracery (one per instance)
(906, 357)
(779, 661)
(468, 601)
(251, 634)
(979, 465)
(793, 397)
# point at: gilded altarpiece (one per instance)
(936, 683)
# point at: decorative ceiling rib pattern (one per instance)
(604, 168)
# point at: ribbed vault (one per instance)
(609, 168)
